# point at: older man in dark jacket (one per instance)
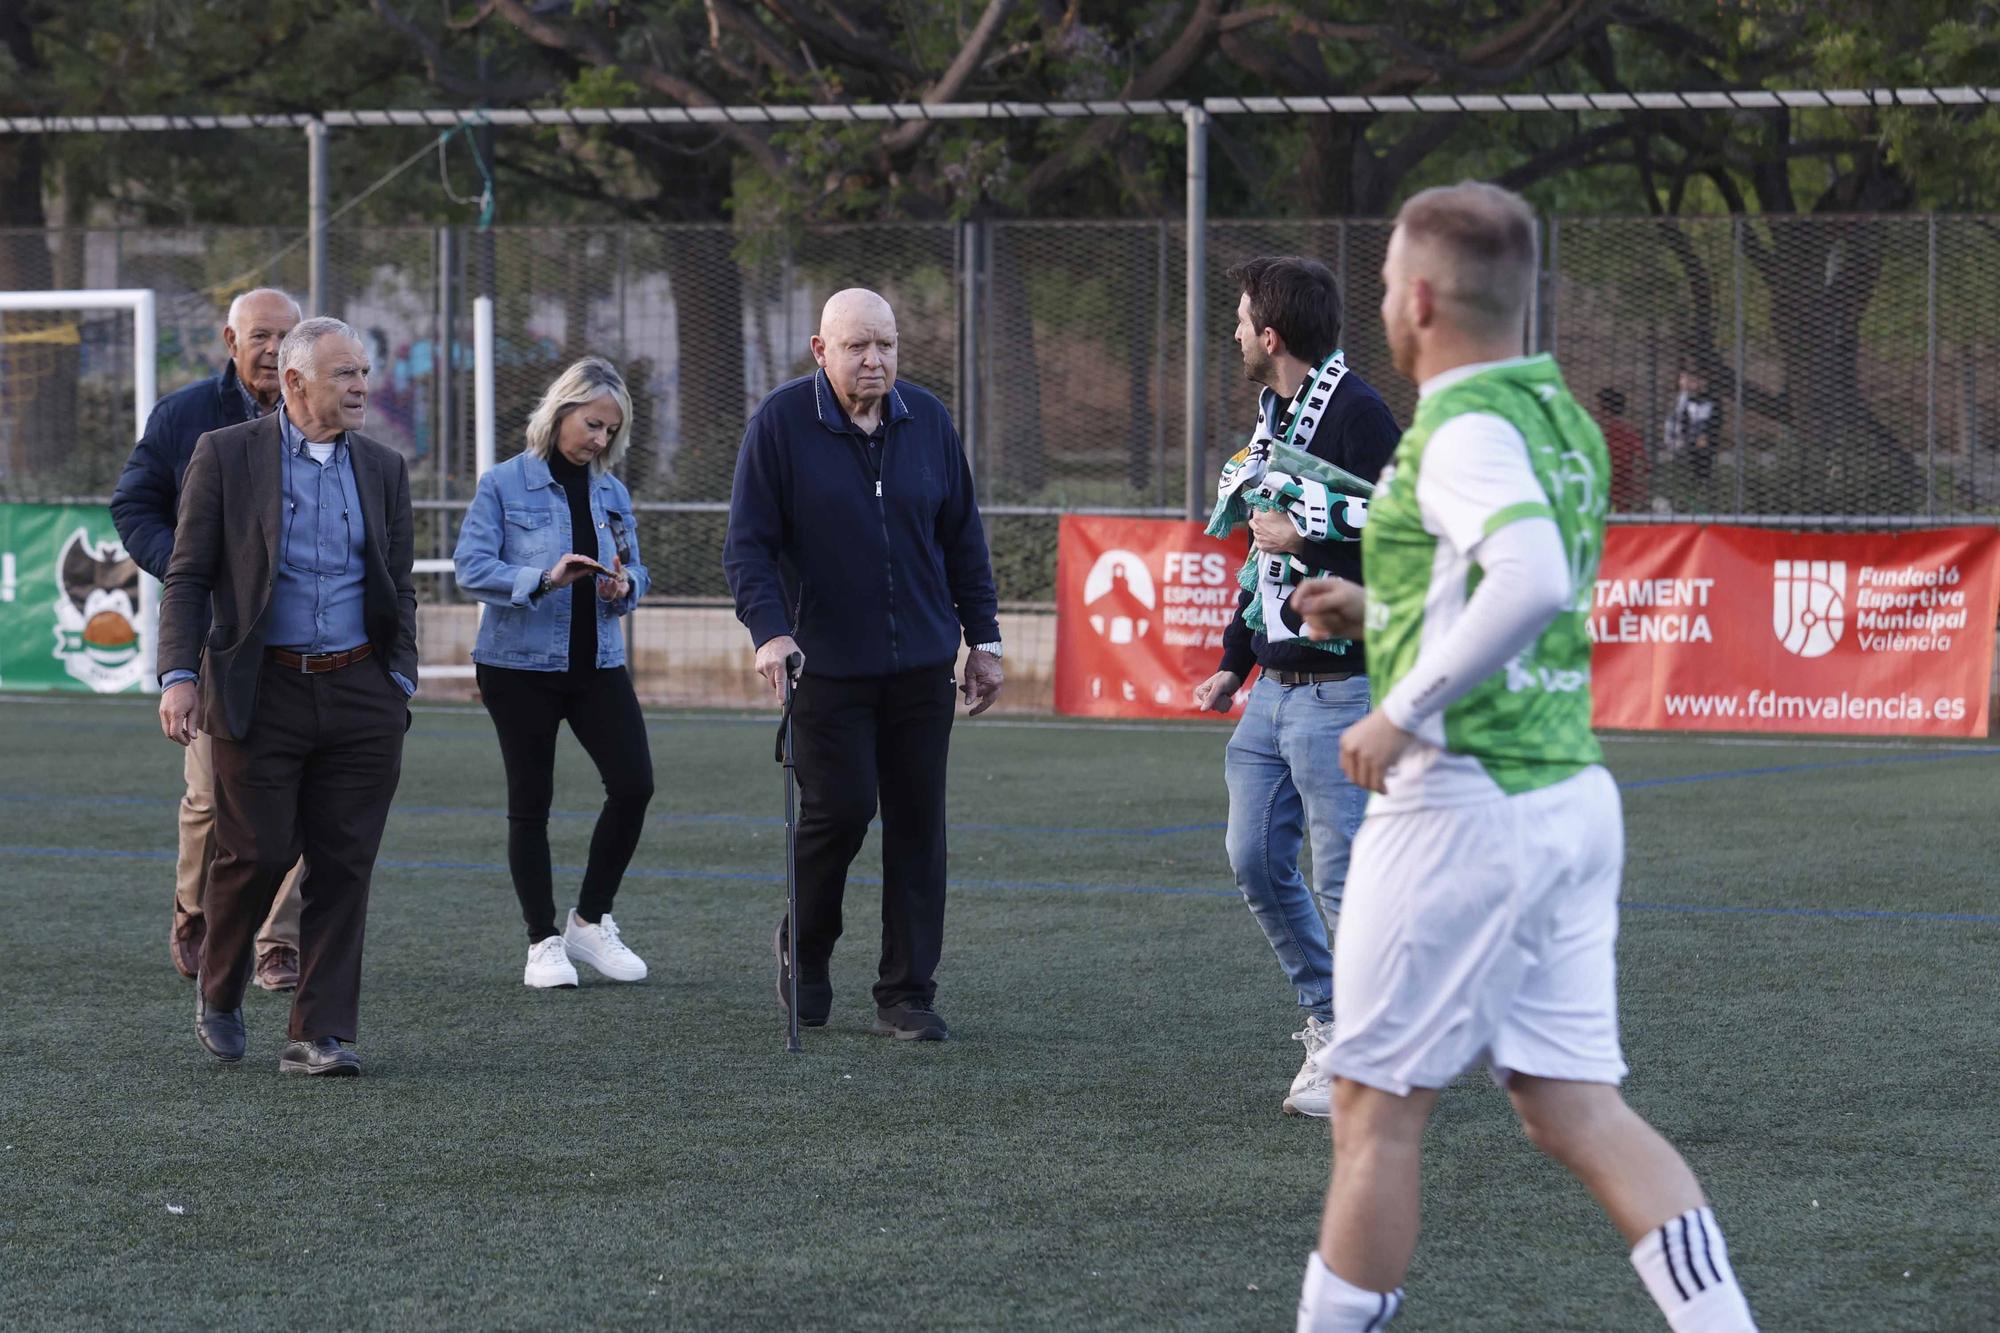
(854, 540)
(143, 507)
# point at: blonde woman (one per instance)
(551, 548)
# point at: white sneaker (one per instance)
(1312, 1090)
(548, 965)
(600, 946)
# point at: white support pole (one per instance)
(316, 217)
(1196, 370)
(482, 385)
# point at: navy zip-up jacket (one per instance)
(147, 499)
(872, 557)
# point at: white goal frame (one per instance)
(145, 391)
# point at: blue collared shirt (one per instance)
(318, 589)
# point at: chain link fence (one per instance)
(1834, 369)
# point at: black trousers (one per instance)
(315, 774)
(528, 710)
(854, 739)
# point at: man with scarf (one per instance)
(1301, 487)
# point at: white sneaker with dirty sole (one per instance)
(1312, 1090)
(600, 946)
(549, 965)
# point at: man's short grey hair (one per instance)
(1484, 247)
(296, 351)
(583, 382)
(236, 306)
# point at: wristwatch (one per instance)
(542, 589)
(993, 648)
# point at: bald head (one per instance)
(258, 321)
(856, 347)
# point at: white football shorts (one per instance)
(1482, 932)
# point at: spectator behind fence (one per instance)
(143, 506)
(293, 551)
(1694, 427)
(551, 546)
(854, 539)
(1631, 469)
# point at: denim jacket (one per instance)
(517, 528)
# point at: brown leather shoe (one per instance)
(278, 968)
(184, 943)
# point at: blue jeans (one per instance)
(1283, 770)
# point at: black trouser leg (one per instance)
(605, 717)
(527, 712)
(833, 740)
(912, 741)
(344, 795)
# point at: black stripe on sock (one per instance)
(1706, 1252)
(1381, 1314)
(1667, 1249)
(1687, 1253)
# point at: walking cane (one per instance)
(794, 664)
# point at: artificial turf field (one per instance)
(1808, 966)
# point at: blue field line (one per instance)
(1036, 886)
(1770, 770)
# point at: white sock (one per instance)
(1685, 1266)
(1329, 1305)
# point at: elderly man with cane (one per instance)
(855, 542)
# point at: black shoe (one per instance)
(321, 1055)
(913, 1021)
(222, 1035)
(815, 997)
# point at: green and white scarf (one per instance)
(1274, 472)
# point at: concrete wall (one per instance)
(700, 657)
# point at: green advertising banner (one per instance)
(75, 612)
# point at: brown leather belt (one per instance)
(312, 664)
(1311, 677)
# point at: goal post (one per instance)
(95, 665)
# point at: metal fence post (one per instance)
(1930, 365)
(441, 432)
(1534, 334)
(1197, 294)
(1736, 285)
(969, 405)
(316, 216)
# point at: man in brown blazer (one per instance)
(296, 530)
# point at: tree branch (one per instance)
(863, 54)
(908, 135)
(433, 58)
(588, 49)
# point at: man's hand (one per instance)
(177, 713)
(771, 661)
(1332, 608)
(613, 588)
(981, 684)
(1274, 532)
(1369, 748)
(1217, 693)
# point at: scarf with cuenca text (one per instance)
(1275, 473)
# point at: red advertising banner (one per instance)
(1141, 604)
(1749, 629)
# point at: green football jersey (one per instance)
(1528, 725)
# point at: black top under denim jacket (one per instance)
(1360, 434)
(575, 482)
